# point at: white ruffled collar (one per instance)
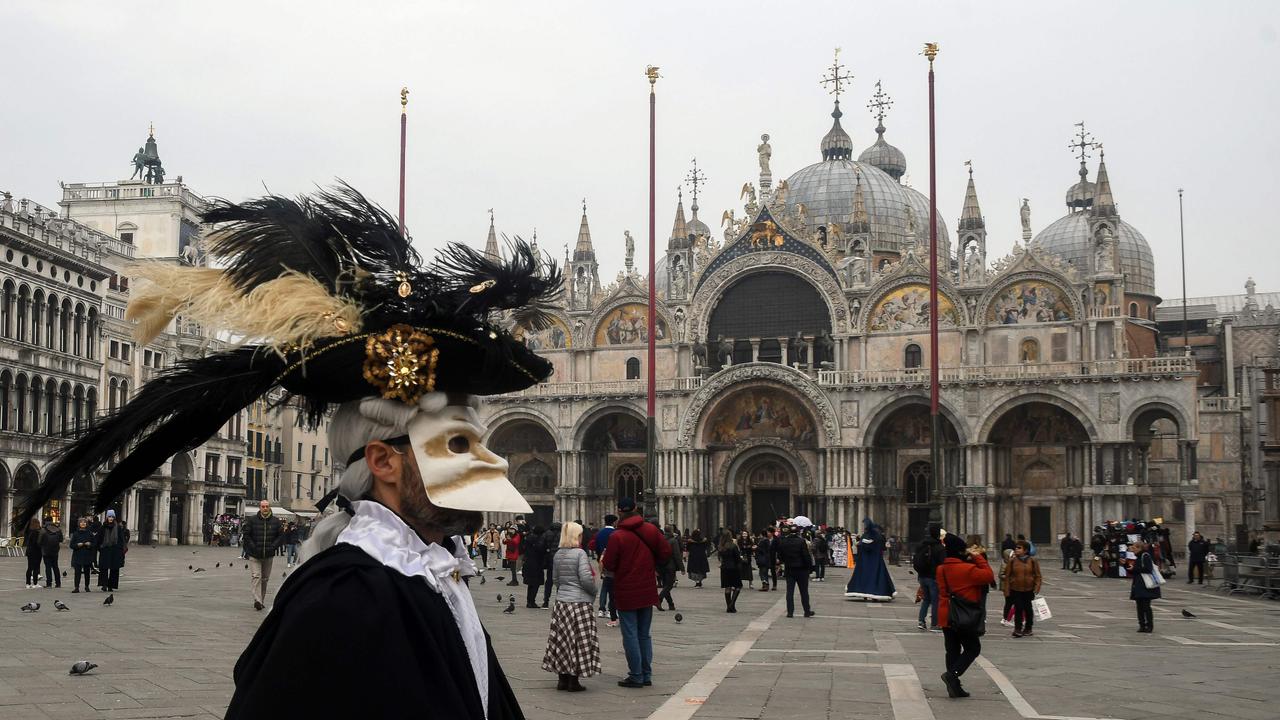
(385, 537)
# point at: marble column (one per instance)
(162, 516)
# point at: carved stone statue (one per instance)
(680, 321)
(679, 279)
(582, 287)
(795, 349)
(780, 194)
(631, 250)
(824, 348)
(1105, 252)
(724, 351)
(764, 151)
(7, 204)
(139, 164)
(748, 192)
(973, 265)
(1025, 213)
(912, 228)
(699, 354)
(1250, 287)
(858, 269)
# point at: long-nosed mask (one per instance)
(458, 471)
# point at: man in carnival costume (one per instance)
(342, 315)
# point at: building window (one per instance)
(299, 452)
(126, 237)
(633, 368)
(1179, 510)
(1133, 310)
(1058, 346)
(912, 357)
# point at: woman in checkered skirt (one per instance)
(573, 648)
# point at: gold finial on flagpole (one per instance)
(930, 51)
(652, 73)
(404, 100)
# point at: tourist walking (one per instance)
(601, 541)
(797, 563)
(50, 546)
(262, 534)
(1064, 547)
(1077, 550)
(1143, 565)
(731, 562)
(764, 559)
(31, 545)
(291, 545)
(491, 543)
(550, 541)
(636, 548)
(81, 553)
(534, 570)
(1197, 553)
(962, 576)
(1021, 584)
(821, 556)
(511, 553)
(697, 565)
(669, 569)
(573, 646)
(747, 549)
(112, 542)
(925, 562)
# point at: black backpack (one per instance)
(924, 562)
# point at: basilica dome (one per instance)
(1069, 238)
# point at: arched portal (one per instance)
(1040, 465)
(1161, 460)
(759, 312)
(611, 463)
(909, 488)
(530, 452)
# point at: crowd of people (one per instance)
(98, 547)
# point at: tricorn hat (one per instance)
(324, 298)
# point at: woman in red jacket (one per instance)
(965, 575)
(511, 556)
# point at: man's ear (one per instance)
(384, 462)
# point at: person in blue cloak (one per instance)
(870, 579)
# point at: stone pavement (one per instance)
(167, 647)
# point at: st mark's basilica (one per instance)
(792, 366)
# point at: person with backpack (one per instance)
(962, 580)
(821, 556)
(925, 562)
(50, 545)
(764, 560)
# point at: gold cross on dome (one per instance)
(880, 102)
(1082, 143)
(695, 178)
(837, 78)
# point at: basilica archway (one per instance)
(530, 452)
(908, 488)
(611, 461)
(1039, 467)
(765, 332)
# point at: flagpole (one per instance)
(931, 52)
(1182, 246)
(404, 123)
(651, 464)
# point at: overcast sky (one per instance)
(528, 108)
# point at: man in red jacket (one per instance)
(635, 548)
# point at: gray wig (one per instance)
(354, 425)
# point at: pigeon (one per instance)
(190, 567)
(60, 606)
(64, 573)
(31, 607)
(246, 566)
(82, 667)
(200, 570)
(193, 552)
(511, 608)
(284, 574)
(679, 617)
(499, 597)
(1187, 614)
(217, 565)
(110, 599)
(482, 580)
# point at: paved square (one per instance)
(167, 647)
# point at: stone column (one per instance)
(755, 349)
(1229, 368)
(162, 516)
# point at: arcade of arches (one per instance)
(759, 454)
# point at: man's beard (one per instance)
(419, 512)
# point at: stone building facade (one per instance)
(793, 358)
(66, 274)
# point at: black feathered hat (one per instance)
(327, 300)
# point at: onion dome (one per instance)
(695, 226)
(836, 144)
(884, 156)
(1080, 195)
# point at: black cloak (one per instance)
(350, 637)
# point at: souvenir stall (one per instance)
(1111, 540)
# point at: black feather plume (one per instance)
(479, 284)
(179, 409)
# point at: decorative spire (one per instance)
(971, 215)
(1103, 202)
(861, 224)
(583, 251)
(491, 242)
(679, 229)
(836, 145)
(880, 102)
(883, 155)
(695, 178)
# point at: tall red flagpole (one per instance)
(404, 121)
(931, 52)
(651, 462)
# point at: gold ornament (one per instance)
(401, 362)
(405, 289)
(477, 289)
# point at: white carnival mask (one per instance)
(458, 471)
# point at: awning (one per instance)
(281, 511)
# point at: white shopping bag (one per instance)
(1041, 608)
